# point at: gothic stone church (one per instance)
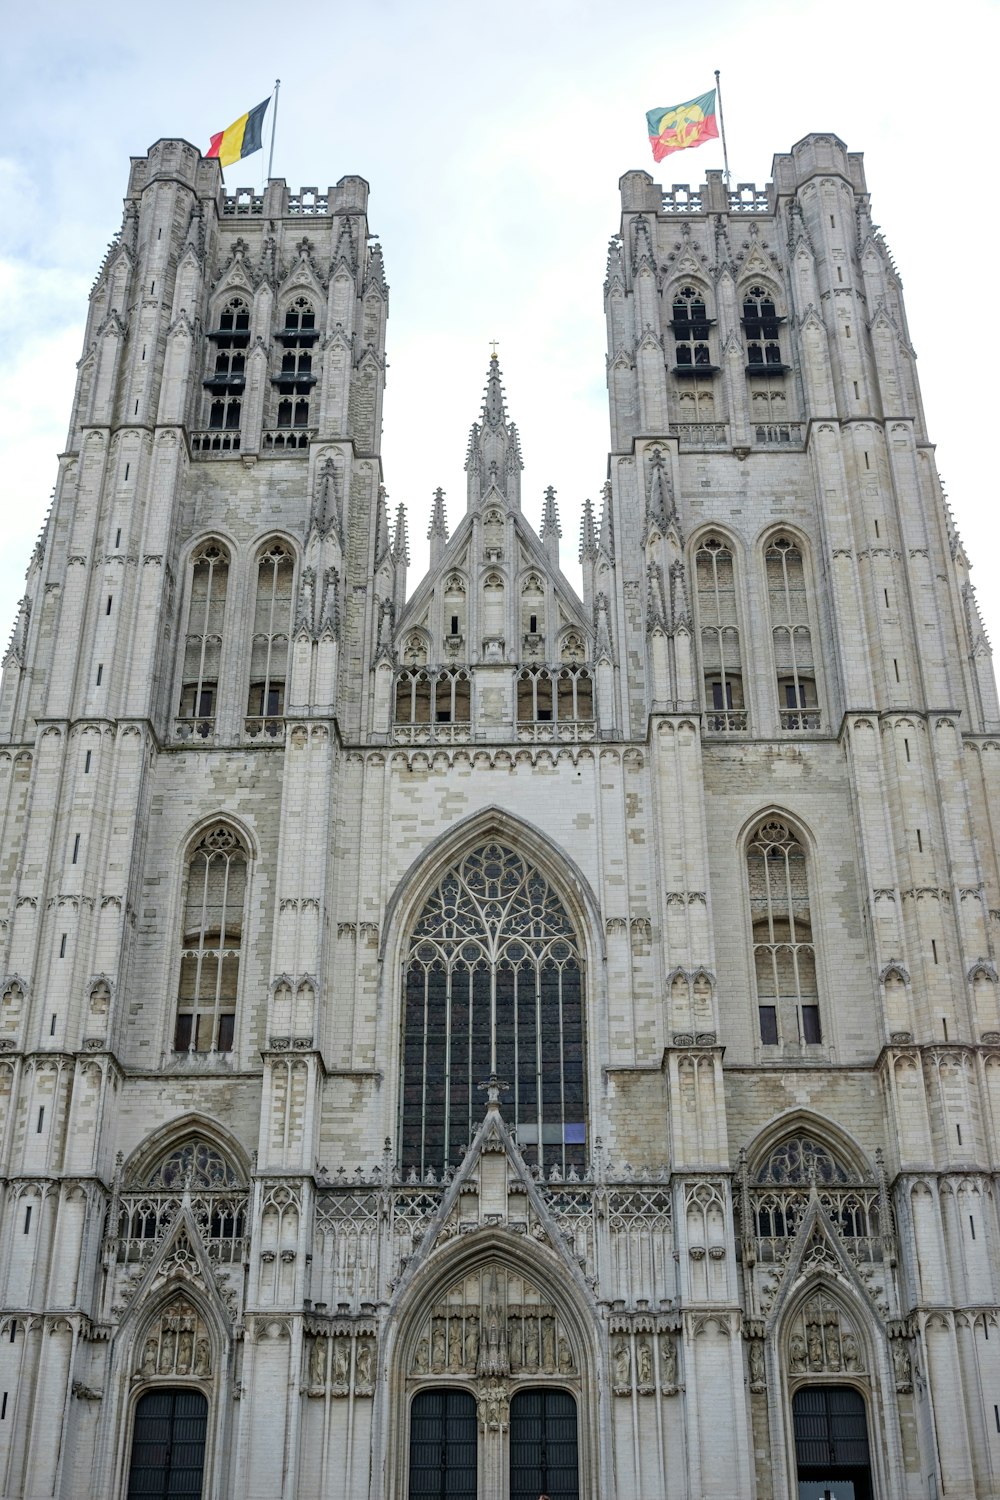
(486, 1041)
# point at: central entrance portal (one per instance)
(831, 1444)
(543, 1451)
(443, 1446)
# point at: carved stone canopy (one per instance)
(493, 1322)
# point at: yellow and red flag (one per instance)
(682, 125)
(241, 138)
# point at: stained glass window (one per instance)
(493, 983)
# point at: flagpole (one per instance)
(722, 127)
(274, 126)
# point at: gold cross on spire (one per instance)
(493, 346)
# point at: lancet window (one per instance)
(226, 377)
(211, 943)
(718, 624)
(761, 329)
(295, 378)
(493, 983)
(203, 640)
(690, 324)
(791, 635)
(269, 646)
(783, 953)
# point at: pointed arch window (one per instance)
(226, 377)
(783, 953)
(203, 641)
(690, 324)
(295, 378)
(791, 635)
(493, 983)
(719, 634)
(761, 325)
(211, 943)
(272, 621)
(803, 1168)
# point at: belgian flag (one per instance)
(241, 138)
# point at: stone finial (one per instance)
(494, 411)
(382, 546)
(400, 537)
(588, 533)
(551, 530)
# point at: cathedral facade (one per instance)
(488, 1042)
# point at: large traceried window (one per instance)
(783, 952)
(493, 983)
(226, 377)
(203, 641)
(791, 635)
(295, 378)
(211, 943)
(272, 619)
(718, 625)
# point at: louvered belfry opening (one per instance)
(443, 1446)
(543, 1446)
(168, 1446)
(831, 1443)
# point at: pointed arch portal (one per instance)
(168, 1445)
(831, 1443)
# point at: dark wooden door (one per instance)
(543, 1447)
(443, 1446)
(831, 1443)
(168, 1446)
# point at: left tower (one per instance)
(217, 564)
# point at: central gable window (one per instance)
(493, 983)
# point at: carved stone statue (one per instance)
(439, 1350)
(471, 1343)
(531, 1344)
(341, 1362)
(901, 1365)
(149, 1353)
(815, 1348)
(668, 1363)
(797, 1354)
(422, 1358)
(514, 1342)
(565, 1357)
(364, 1365)
(623, 1364)
(548, 1344)
(454, 1344)
(168, 1348)
(849, 1345)
(493, 1406)
(185, 1350)
(202, 1359)
(317, 1364)
(756, 1358)
(644, 1360)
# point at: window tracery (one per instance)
(269, 647)
(203, 641)
(691, 324)
(295, 379)
(719, 632)
(761, 325)
(211, 943)
(783, 952)
(493, 984)
(226, 377)
(791, 635)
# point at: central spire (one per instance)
(493, 462)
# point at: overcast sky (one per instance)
(493, 138)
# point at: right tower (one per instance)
(795, 605)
